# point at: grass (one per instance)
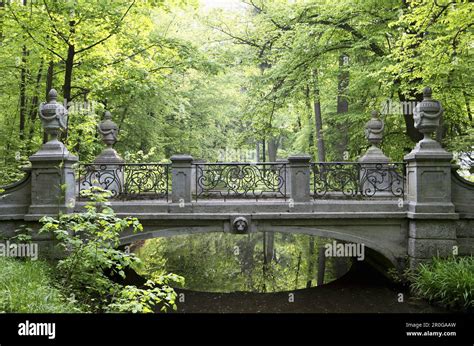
(446, 281)
(27, 287)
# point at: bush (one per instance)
(27, 287)
(90, 241)
(447, 281)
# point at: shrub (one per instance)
(90, 241)
(448, 281)
(27, 287)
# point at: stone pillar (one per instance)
(109, 162)
(52, 181)
(181, 175)
(429, 189)
(300, 178)
(375, 177)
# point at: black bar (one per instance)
(292, 329)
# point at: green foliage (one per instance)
(28, 287)
(158, 291)
(447, 281)
(90, 241)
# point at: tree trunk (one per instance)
(342, 104)
(2, 19)
(23, 75)
(468, 104)
(49, 86)
(269, 246)
(318, 121)
(298, 267)
(310, 262)
(321, 265)
(258, 151)
(71, 54)
(68, 73)
(34, 104)
(273, 144)
(343, 84)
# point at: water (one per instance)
(257, 262)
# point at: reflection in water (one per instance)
(257, 262)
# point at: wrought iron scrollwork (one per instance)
(128, 181)
(351, 179)
(240, 180)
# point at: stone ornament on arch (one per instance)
(240, 225)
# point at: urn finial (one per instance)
(52, 95)
(374, 129)
(108, 130)
(53, 115)
(427, 114)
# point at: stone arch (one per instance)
(344, 235)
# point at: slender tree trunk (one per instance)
(71, 54)
(342, 104)
(23, 105)
(321, 266)
(318, 121)
(49, 86)
(34, 104)
(343, 84)
(273, 144)
(269, 245)
(298, 267)
(258, 151)
(309, 281)
(468, 105)
(2, 19)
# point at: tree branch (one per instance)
(112, 33)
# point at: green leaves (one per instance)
(90, 243)
(448, 281)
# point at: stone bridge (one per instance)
(403, 212)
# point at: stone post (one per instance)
(300, 178)
(375, 177)
(429, 189)
(181, 175)
(52, 180)
(109, 132)
(109, 162)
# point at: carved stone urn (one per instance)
(53, 116)
(374, 134)
(108, 130)
(109, 133)
(374, 129)
(427, 115)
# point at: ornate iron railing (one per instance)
(240, 180)
(128, 180)
(353, 179)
